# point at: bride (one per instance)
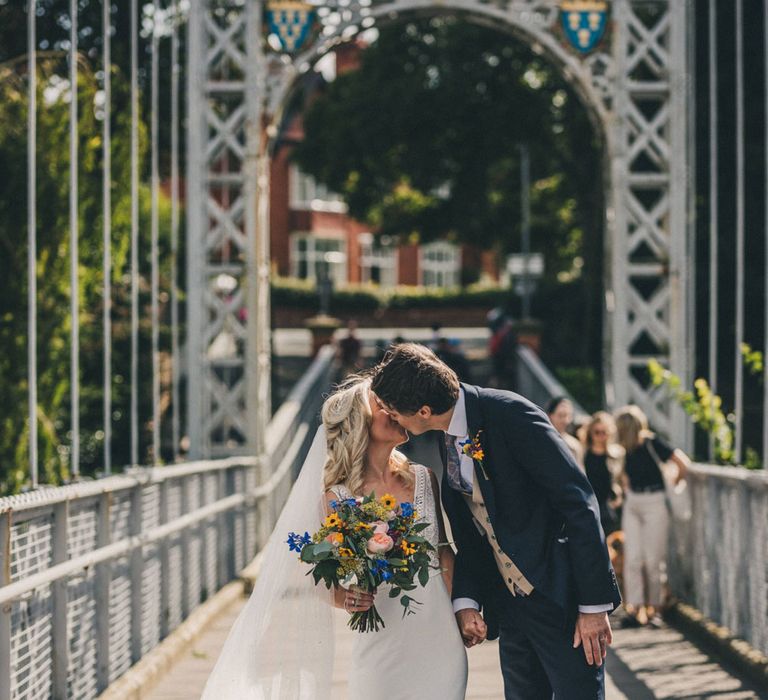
(281, 646)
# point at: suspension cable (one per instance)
(73, 244)
(107, 244)
(154, 240)
(175, 399)
(134, 235)
(32, 238)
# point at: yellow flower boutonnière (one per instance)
(473, 448)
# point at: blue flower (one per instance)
(297, 542)
(334, 505)
(406, 509)
(350, 502)
(381, 567)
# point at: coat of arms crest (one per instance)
(290, 21)
(584, 22)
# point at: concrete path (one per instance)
(644, 665)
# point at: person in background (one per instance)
(560, 413)
(502, 348)
(602, 462)
(437, 336)
(450, 352)
(645, 515)
(348, 351)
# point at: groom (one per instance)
(531, 554)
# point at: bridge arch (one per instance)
(634, 87)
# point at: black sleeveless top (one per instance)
(641, 467)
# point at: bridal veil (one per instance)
(281, 646)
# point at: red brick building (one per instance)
(311, 234)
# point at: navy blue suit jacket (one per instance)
(543, 510)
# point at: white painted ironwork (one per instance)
(738, 398)
(713, 206)
(765, 344)
(155, 232)
(106, 184)
(74, 283)
(636, 86)
(134, 71)
(719, 561)
(537, 383)
(76, 557)
(175, 357)
(32, 238)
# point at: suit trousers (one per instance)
(538, 661)
(645, 521)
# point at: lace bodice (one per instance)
(423, 503)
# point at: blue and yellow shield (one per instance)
(290, 21)
(584, 22)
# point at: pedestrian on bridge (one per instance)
(645, 516)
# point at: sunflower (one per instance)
(408, 548)
(333, 520)
(388, 501)
(344, 552)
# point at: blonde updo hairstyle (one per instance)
(347, 418)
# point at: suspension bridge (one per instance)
(171, 109)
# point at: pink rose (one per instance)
(334, 538)
(380, 543)
(380, 526)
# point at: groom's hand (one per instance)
(472, 627)
(593, 631)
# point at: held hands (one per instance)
(593, 631)
(472, 627)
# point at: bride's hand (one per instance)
(358, 600)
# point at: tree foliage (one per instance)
(53, 260)
(424, 139)
(423, 142)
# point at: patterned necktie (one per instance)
(453, 466)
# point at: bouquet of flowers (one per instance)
(367, 542)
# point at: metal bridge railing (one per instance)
(719, 559)
(95, 574)
(538, 384)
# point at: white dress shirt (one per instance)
(459, 431)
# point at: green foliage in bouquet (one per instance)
(368, 542)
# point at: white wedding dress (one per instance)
(419, 656)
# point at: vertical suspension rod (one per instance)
(107, 243)
(73, 245)
(154, 243)
(175, 370)
(134, 235)
(713, 205)
(765, 311)
(32, 238)
(738, 402)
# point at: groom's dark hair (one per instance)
(411, 376)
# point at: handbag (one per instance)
(678, 494)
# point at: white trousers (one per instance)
(645, 521)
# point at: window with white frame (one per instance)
(378, 260)
(315, 257)
(308, 193)
(440, 264)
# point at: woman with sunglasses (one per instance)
(602, 462)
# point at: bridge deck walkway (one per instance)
(644, 664)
